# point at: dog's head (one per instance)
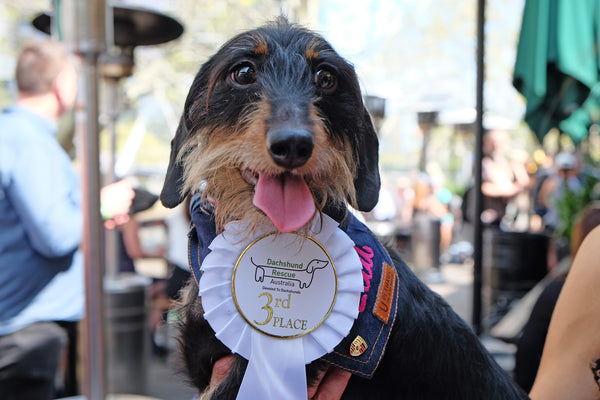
(274, 127)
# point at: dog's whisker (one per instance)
(249, 176)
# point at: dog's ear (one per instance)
(171, 194)
(367, 181)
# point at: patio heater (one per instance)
(427, 120)
(81, 26)
(89, 27)
(376, 107)
(425, 241)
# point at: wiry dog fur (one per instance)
(282, 77)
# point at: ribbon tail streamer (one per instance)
(276, 370)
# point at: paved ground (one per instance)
(457, 289)
(164, 382)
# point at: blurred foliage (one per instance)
(417, 48)
(165, 72)
(162, 72)
(573, 202)
(169, 68)
(15, 28)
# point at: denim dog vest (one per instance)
(362, 350)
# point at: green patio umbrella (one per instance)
(557, 65)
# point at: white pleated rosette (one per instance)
(276, 361)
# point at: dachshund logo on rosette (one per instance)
(290, 271)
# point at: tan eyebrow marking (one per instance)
(260, 47)
(311, 54)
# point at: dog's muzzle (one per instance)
(286, 198)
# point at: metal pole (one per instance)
(83, 28)
(477, 239)
(111, 237)
(94, 382)
(424, 147)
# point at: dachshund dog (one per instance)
(274, 131)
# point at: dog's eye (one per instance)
(244, 74)
(325, 79)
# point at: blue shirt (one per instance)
(41, 269)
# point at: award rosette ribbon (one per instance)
(281, 300)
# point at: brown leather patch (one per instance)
(385, 294)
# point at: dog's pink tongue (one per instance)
(286, 200)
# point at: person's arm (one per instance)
(131, 239)
(573, 340)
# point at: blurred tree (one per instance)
(165, 72)
(15, 27)
(170, 68)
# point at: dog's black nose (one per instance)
(290, 148)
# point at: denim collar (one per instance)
(362, 350)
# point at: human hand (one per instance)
(115, 201)
(330, 384)
(221, 370)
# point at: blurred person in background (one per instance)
(404, 197)
(563, 181)
(130, 247)
(178, 224)
(385, 209)
(502, 178)
(432, 207)
(564, 176)
(41, 224)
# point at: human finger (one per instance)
(333, 385)
(312, 389)
(221, 370)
